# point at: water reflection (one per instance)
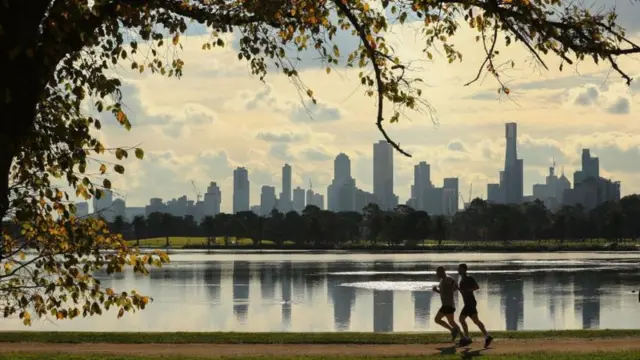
(288, 295)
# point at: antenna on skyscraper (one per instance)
(310, 184)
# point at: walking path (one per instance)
(229, 350)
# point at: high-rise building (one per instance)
(298, 199)
(155, 205)
(285, 204)
(421, 183)
(82, 209)
(119, 208)
(383, 175)
(212, 200)
(102, 207)
(241, 190)
(451, 195)
(267, 200)
(510, 189)
(339, 200)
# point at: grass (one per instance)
(609, 355)
(287, 338)
(521, 245)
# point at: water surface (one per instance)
(368, 292)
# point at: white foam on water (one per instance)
(393, 285)
(481, 271)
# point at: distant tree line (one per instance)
(481, 221)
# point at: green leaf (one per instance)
(139, 153)
(106, 183)
(119, 169)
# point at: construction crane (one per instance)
(198, 194)
(466, 203)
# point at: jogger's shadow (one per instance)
(450, 350)
(467, 353)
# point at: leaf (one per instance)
(176, 39)
(139, 153)
(106, 183)
(309, 93)
(121, 117)
(120, 313)
(119, 169)
(103, 169)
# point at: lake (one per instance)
(369, 292)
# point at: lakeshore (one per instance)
(247, 246)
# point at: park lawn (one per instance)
(288, 337)
(608, 355)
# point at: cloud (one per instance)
(281, 137)
(281, 151)
(316, 154)
(613, 99)
(316, 113)
(266, 99)
(172, 122)
(456, 145)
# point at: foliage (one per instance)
(481, 222)
(57, 279)
(60, 55)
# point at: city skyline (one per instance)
(191, 130)
(588, 188)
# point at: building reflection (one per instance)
(343, 299)
(213, 279)
(240, 280)
(587, 299)
(268, 277)
(511, 300)
(382, 303)
(421, 308)
(286, 283)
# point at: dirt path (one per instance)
(213, 351)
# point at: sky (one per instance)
(218, 116)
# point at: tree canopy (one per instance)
(57, 55)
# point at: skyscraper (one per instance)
(241, 190)
(103, 207)
(212, 200)
(421, 182)
(285, 196)
(512, 182)
(450, 196)
(337, 198)
(298, 199)
(383, 175)
(267, 200)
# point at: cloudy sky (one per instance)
(218, 117)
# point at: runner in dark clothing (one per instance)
(446, 288)
(467, 285)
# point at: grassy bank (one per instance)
(288, 338)
(609, 355)
(200, 243)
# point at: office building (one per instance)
(298, 199)
(212, 200)
(383, 175)
(267, 200)
(241, 190)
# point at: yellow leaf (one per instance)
(366, 7)
(328, 70)
(176, 39)
(121, 116)
(21, 255)
(103, 169)
(109, 291)
(145, 300)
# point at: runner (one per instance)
(446, 289)
(466, 287)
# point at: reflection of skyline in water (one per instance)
(304, 296)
